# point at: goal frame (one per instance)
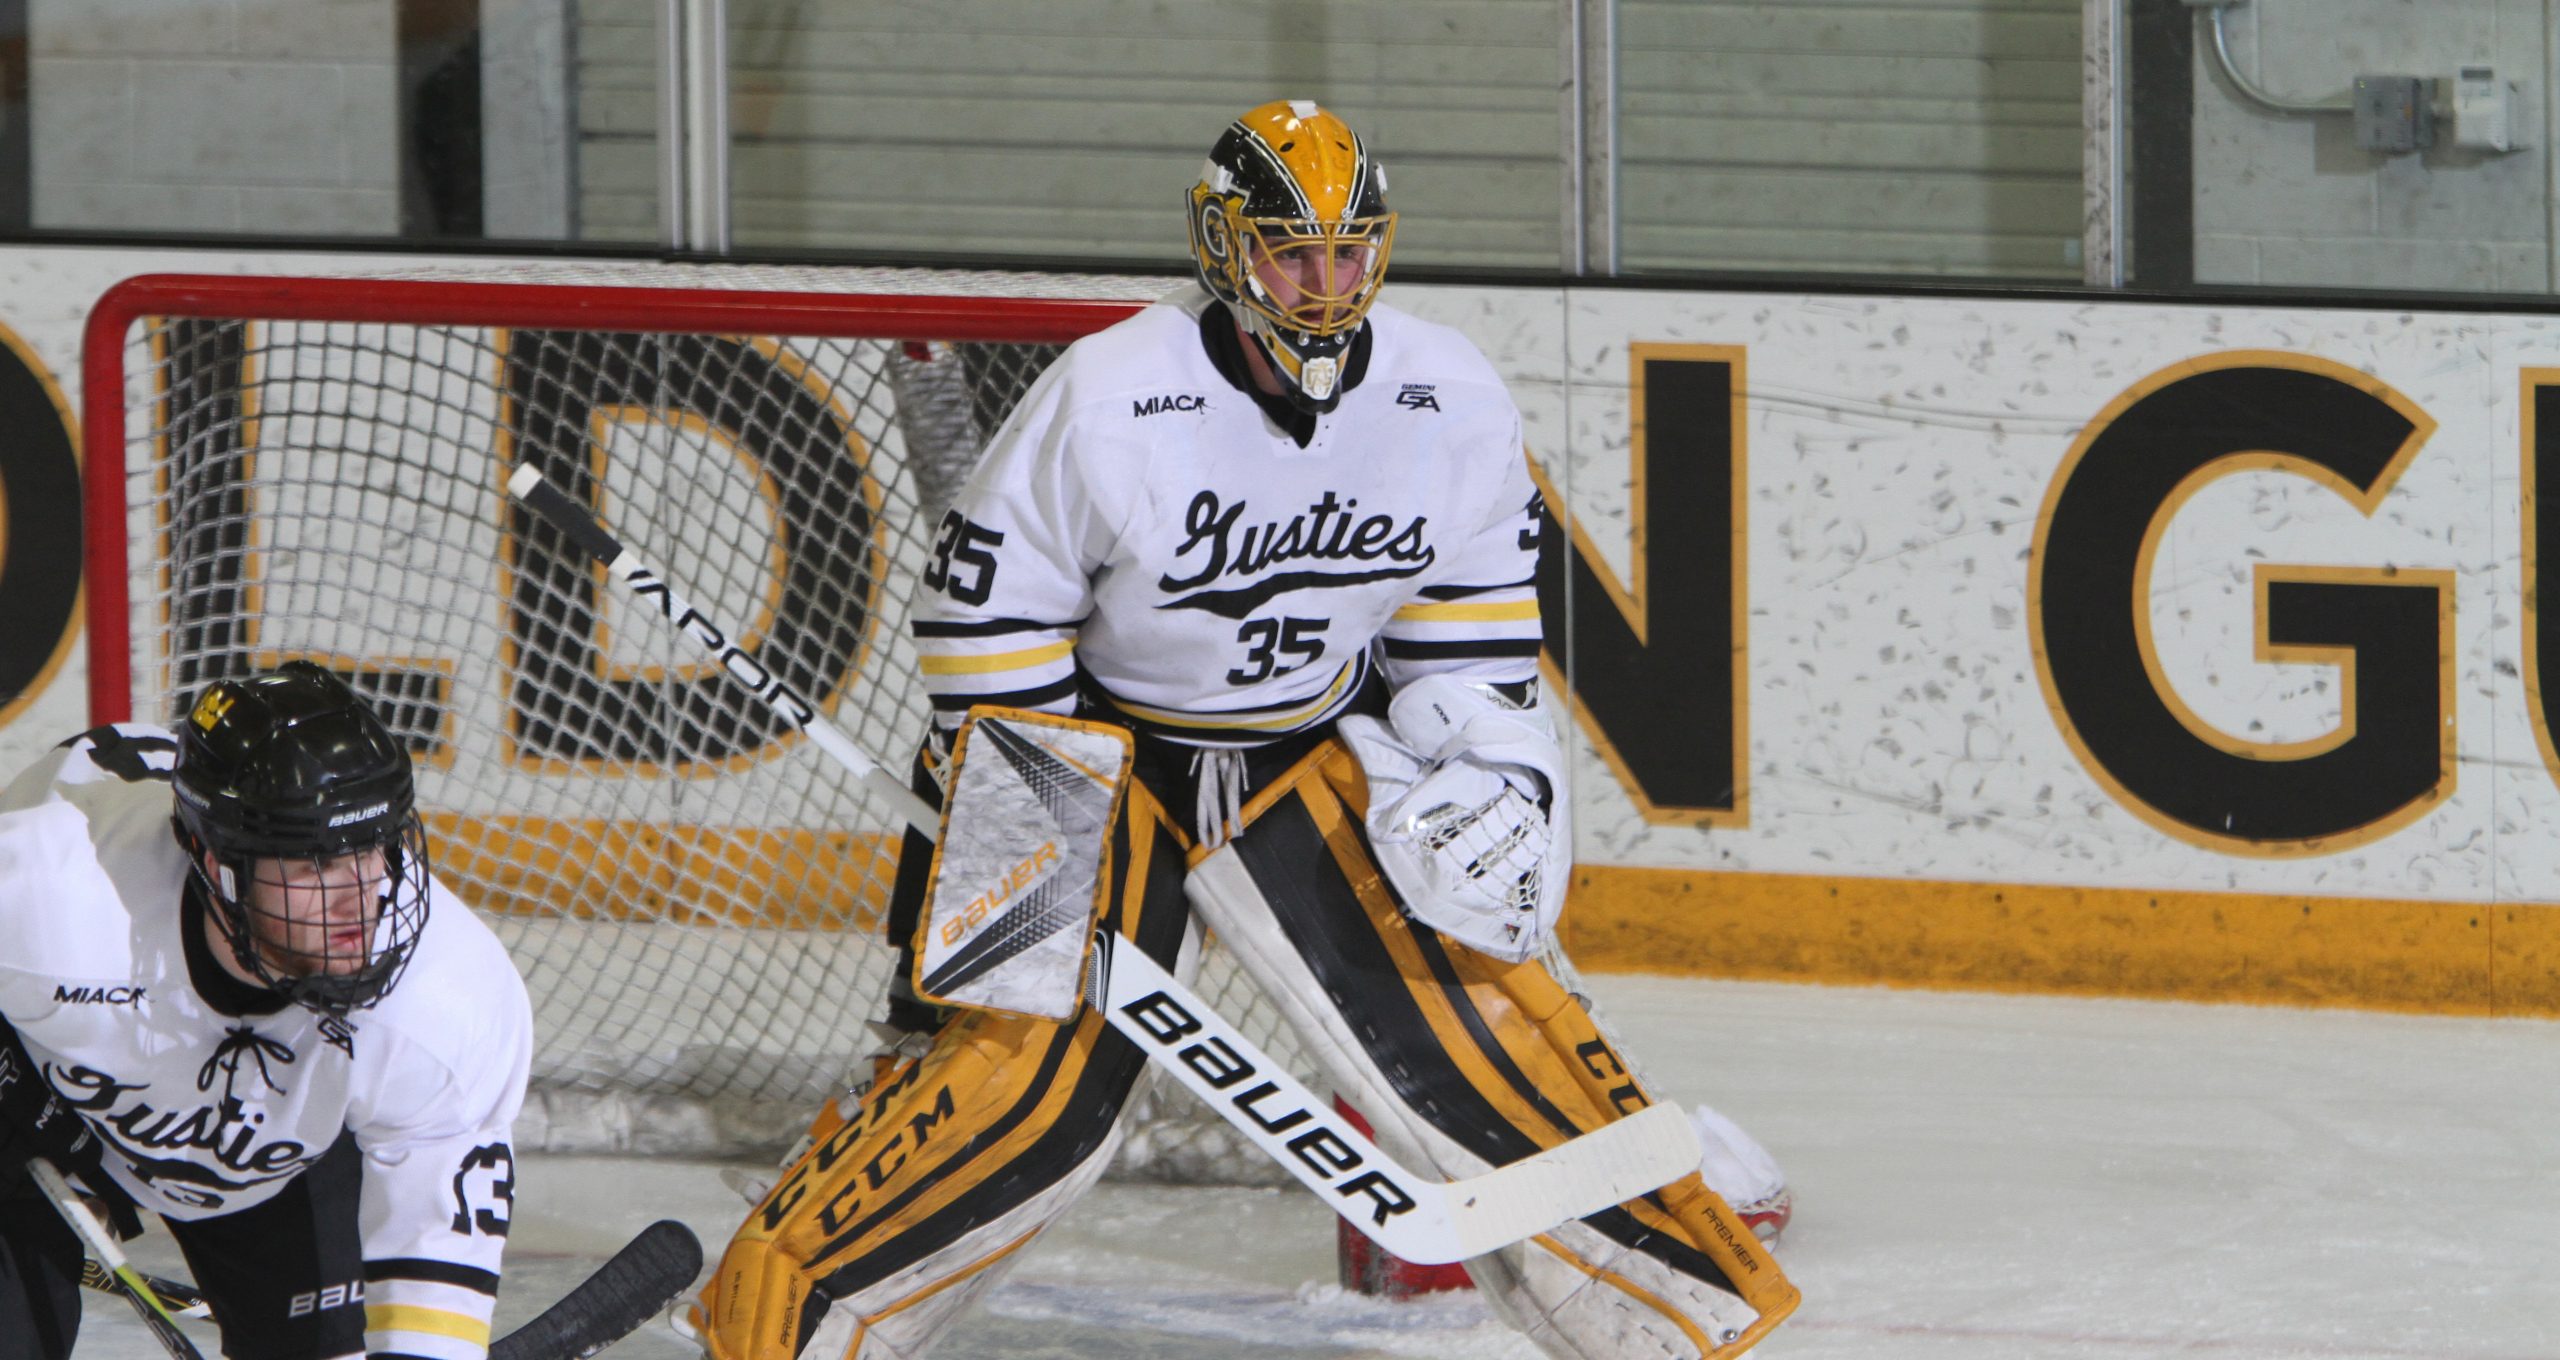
(435, 302)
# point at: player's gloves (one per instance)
(1467, 813)
(35, 1123)
(33, 1120)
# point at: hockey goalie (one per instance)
(1276, 545)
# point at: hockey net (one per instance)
(315, 468)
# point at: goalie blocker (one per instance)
(893, 1222)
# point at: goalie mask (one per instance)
(1290, 229)
(298, 812)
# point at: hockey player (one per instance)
(234, 995)
(1288, 538)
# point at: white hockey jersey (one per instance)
(1142, 520)
(206, 1111)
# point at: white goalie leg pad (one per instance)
(1740, 1170)
(1468, 813)
(901, 1317)
(1574, 1291)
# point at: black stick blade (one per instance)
(624, 1292)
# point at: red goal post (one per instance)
(314, 467)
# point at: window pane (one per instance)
(1923, 137)
(1072, 128)
(424, 119)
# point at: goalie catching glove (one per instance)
(1467, 812)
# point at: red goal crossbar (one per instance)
(428, 302)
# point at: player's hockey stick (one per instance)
(624, 1292)
(179, 1297)
(127, 1282)
(1418, 1218)
(645, 1276)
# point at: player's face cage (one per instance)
(1316, 278)
(330, 934)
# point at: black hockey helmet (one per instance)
(280, 777)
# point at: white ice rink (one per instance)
(1985, 1177)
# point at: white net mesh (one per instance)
(693, 896)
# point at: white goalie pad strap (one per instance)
(1572, 1291)
(903, 1316)
(1467, 813)
(1019, 875)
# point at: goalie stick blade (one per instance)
(1422, 1219)
(1608, 1166)
(645, 1276)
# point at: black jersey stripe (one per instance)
(1473, 649)
(1034, 697)
(1462, 592)
(928, 628)
(427, 1270)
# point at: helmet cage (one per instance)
(290, 951)
(1330, 271)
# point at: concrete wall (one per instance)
(278, 117)
(215, 115)
(1930, 138)
(2292, 200)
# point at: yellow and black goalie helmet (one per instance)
(1290, 229)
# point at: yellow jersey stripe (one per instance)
(1461, 612)
(1259, 722)
(409, 1317)
(983, 663)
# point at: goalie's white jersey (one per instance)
(206, 1112)
(1141, 519)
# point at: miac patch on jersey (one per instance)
(1025, 858)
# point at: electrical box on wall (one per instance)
(2394, 113)
(2482, 109)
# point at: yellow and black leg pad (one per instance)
(1464, 1062)
(878, 1238)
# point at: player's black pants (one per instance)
(267, 1270)
(39, 1273)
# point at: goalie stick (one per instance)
(1418, 1218)
(626, 1291)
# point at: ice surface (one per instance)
(1985, 1177)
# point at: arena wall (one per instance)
(2118, 648)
